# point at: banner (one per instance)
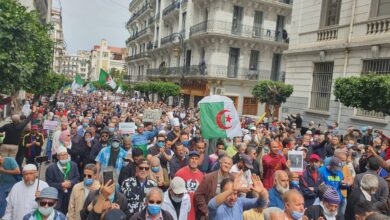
(152, 115)
(50, 125)
(127, 127)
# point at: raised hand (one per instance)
(257, 185)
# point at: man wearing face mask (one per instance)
(47, 199)
(310, 180)
(111, 156)
(83, 127)
(81, 190)
(327, 208)
(281, 186)
(21, 199)
(63, 175)
(294, 205)
(176, 200)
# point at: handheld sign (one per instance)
(127, 127)
(152, 115)
(296, 159)
(50, 125)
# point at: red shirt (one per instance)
(272, 163)
(192, 182)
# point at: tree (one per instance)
(163, 89)
(26, 49)
(272, 92)
(370, 92)
(52, 83)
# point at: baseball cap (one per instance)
(335, 162)
(252, 128)
(178, 185)
(116, 138)
(247, 160)
(34, 127)
(315, 157)
(302, 148)
(193, 153)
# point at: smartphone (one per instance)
(41, 159)
(108, 175)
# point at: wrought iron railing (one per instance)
(136, 35)
(173, 6)
(166, 39)
(230, 28)
(210, 71)
(139, 12)
(149, 46)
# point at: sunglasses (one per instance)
(88, 176)
(143, 168)
(154, 202)
(43, 204)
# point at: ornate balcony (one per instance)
(329, 33)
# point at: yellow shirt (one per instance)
(347, 177)
(253, 214)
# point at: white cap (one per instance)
(62, 150)
(309, 132)
(162, 132)
(178, 185)
(29, 167)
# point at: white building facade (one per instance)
(209, 47)
(106, 57)
(331, 39)
(77, 64)
(57, 35)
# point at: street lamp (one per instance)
(179, 37)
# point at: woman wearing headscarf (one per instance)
(66, 142)
(159, 174)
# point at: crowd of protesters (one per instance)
(166, 170)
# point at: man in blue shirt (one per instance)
(8, 171)
(142, 137)
(228, 206)
(281, 186)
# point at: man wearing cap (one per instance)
(33, 142)
(327, 208)
(21, 199)
(245, 164)
(142, 137)
(46, 201)
(176, 200)
(310, 180)
(136, 187)
(63, 175)
(103, 142)
(192, 177)
(332, 176)
(111, 156)
(174, 135)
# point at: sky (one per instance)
(86, 22)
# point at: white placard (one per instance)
(127, 127)
(296, 159)
(50, 125)
(61, 104)
(152, 115)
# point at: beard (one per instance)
(29, 183)
(281, 189)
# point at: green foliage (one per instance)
(163, 89)
(371, 92)
(272, 92)
(52, 83)
(25, 51)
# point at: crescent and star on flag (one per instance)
(218, 119)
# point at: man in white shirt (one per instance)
(21, 199)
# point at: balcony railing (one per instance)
(327, 34)
(210, 71)
(137, 56)
(149, 46)
(290, 2)
(139, 12)
(378, 26)
(138, 34)
(229, 28)
(166, 39)
(173, 6)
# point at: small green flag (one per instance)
(102, 77)
(79, 80)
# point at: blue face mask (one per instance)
(111, 130)
(154, 209)
(297, 215)
(115, 144)
(160, 144)
(295, 183)
(349, 145)
(88, 182)
(186, 143)
(85, 124)
(155, 169)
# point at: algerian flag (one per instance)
(77, 83)
(219, 118)
(105, 78)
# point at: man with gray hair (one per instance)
(154, 200)
(281, 186)
(368, 187)
(13, 132)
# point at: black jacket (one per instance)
(316, 211)
(142, 215)
(306, 181)
(14, 131)
(353, 198)
(126, 172)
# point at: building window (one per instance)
(322, 86)
(235, 100)
(254, 60)
(250, 106)
(377, 66)
(380, 8)
(234, 58)
(330, 13)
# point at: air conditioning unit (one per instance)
(219, 91)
